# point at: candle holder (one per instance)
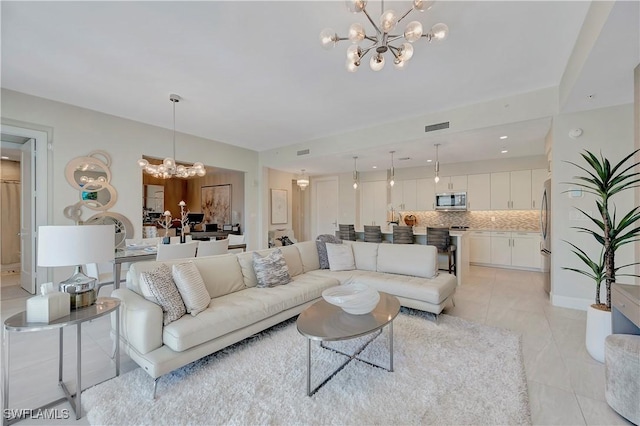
(184, 221)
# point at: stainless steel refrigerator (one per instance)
(545, 230)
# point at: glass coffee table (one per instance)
(325, 322)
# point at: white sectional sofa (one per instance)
(239, 309)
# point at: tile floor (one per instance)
(566, 386)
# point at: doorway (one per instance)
(326, 205)
(24, 206)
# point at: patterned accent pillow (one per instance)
(191, 287)
(162, 287)
(321, 241)
(271, 270)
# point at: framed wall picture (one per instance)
(279, 206)
(216, 204)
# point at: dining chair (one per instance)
(176, 240)
(346, 232)
(440, 238)
(176, 251)
(372, 234)
(213, 247)
(103, 273)
(236, 239)
(402, 234)
(151, 241)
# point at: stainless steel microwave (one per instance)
(451, 201)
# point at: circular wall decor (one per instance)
(124, 227)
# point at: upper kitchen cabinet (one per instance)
(425, 194)
(479, 192)
(373, 203)
(451, 184)
(511, 190)
(538, 176)
(403, 195)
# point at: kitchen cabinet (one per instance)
(515, 249)
(480, 247)
(403, 195)
(451, 184)
(511, 190)
(425, 194)
(538, 176)
(373, 203)
(479, 192)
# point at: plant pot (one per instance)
(598, 328)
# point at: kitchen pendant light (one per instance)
(355, 173)
(392, 172)
(169, 168)
(437, 178)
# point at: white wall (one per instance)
(77, 131)
(606, 130)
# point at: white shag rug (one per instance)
(454, 372)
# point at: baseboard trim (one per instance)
(571, 302)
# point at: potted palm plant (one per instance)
(604, 181)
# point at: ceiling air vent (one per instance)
(434, 127)
(303, 152)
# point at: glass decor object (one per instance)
(353, 298)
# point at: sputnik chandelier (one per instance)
(381, 41)
(169, 168)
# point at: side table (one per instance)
(18, 323)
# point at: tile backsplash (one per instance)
(503, 219)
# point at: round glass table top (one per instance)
(327, 322)
(103, 306)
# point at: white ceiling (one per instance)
(253, 74)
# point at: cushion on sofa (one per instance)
(408, 259)
(365, 255)
(163, 288)
(292, 257)
(271, 269)
(340, 257)
(309, 255)
(321, 240)
(191, 287)
(221, 274)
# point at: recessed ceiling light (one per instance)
(503, 137)
(375, 167)
(429, 161)
(504, 151)
(4, 157)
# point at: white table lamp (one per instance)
(76, 246)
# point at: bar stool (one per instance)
(402, 234)
(440, 238)
(372, 234)
(347, 232)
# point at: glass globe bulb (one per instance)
(192, 172)
(142, 163)
(355, 6)
(201, 172)
(198, 165)
(388, 21)
(162, 168)
(351, 65)
(392, 182)
(423, 5)
(413, 32)
(355, 185)
(377, 62)
(180, 169)
(328, 38)
(439, 32)
(169, 163)
(399, 64)
(356, 33)
(354, 52)
(436, 179)
(406, 52)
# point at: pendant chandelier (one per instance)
(169, 168)
(437, 177)
(355, 173)
(392, 172)
(303, 180)
(381, 41)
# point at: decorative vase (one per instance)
(183, 238)
(166, 240)
(598, 328)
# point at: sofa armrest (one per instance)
(140, 321)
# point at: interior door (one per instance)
(326, 201)
(27, 217)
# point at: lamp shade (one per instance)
(75, 245)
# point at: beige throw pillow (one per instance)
(340, 257)
(191, 287)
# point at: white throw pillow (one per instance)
(191, 287)
(340, 257)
